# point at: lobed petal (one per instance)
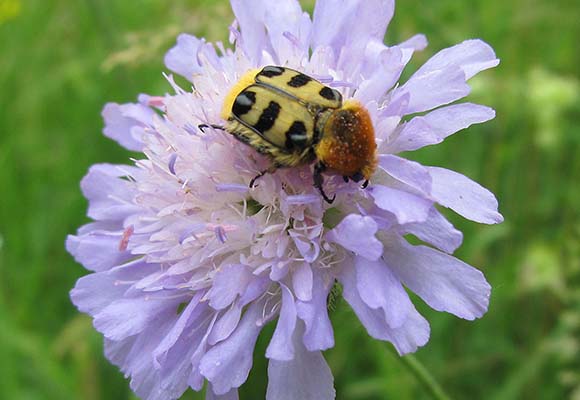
(435, 126)
(231, 395)
(357, 234)
(183, 58)
(379, 288)
(385, 74)
(410, 173)
(411, 335)
(281, 347)
(125, 123)
(226, 324)
(435, 230)
(318, 334)
(442, 281)
(97, 251)
(464, 196)
(406, 207)
(302, 281)
(288, 30)
(442, 79)
(433, 90)
(250, 17)
(472, 56)
(229, 282)
(305, 377)
(129, 316)
(227, 364)
(110, 198)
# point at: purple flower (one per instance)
(188, 263)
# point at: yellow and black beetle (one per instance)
(295, 120)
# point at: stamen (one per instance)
(323, 78)
(125, 238)
(292, 38)
(342, 84)
(231, 187)
(191, 129)
(302, 199)
(220, 234)
(235, 35)
(171, 164)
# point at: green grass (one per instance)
(61, 61)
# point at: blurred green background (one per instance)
(62, 60)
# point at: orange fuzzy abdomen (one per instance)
(348, 141)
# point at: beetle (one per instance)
(295, 120)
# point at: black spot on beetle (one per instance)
(299, 80)
(296, 136)
(271, 71)
(268, 117)
(330, 94)
(244, 103)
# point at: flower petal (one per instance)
(125, 123)
(410, 173)
(433, 90)
(187, 315)
(442, 281)
(386, 73)
(230, 281)
(183, 57)
(357, 234)
(226, 324)
(464, 196)
(288, 30)
(314, 313)
(97, 251)
(94, 292)
(302, 281)
(231, 395)
(305, 377)
(281, 346)
(110, 198)
(413, 334)
(441, 80)
(379, 288)
(435, 230)
(250, 17)
(472, 56)
(129, 316)
(329, 21)
(407, 207)
(228, 363)
(435, 126)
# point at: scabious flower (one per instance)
(188, 263)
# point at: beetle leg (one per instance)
(270, 170)
(201, 127)
(345, 178)
(319, 180)
(365, 184)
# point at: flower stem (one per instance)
(422, 375)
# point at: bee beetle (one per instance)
(294, 119)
